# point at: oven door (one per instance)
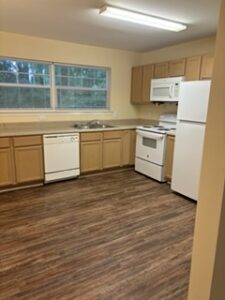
(150, 146)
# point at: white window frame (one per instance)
(53, 90)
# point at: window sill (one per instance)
(66, 111)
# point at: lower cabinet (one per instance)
(132, 146)
(91, 152)
(21, 160)
(6, 163)
(169, 156)
(29, 164)
(105, 150)
(112, 149)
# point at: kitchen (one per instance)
(16, 45)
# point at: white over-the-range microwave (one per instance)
(165, 89)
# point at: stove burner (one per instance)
(158, 128)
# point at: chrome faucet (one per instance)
(93, 122)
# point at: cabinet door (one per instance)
(136, 85)
(91, 156)
(29, 164)
(177, 67)
(207, 66)
(161, 70)
(112, 151)
(169, 156)
(6, 167)
(193, 67)
(126, 147)
(132, 146)
(148, 72)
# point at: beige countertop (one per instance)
(171, 132)
(18, 129)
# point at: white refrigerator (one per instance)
(189, 141)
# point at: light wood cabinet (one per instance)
(105, 150)
(112, 149)
(91, 152)
(29, 164)
(177, 67)
(136, 85)
(161, 70)
(169, 156)
(132, 146)
(141, 84)
(28, 154)
(207, 66)
(148, 74)
(112, 153)
(31, 140)
(193, 68)
(21, 160)
(6, 163)
(126, 147)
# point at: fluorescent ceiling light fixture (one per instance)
(130, 16)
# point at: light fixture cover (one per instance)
(135, 17)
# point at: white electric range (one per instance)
(151, 147)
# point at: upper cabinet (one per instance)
(136, 84)
(161, 70)
(198, 67)
(193, 68)
(141, 83)
(177, 67)
(148, 72)
(207, 66)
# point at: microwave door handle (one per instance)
(150, 135)
(171, 91)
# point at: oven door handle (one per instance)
(150, 135)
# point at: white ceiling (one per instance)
(78, 21)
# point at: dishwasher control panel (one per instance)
(61, 138)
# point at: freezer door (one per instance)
(194, 97)
(187, 158)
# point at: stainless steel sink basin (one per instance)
(92, 126)
(100, 126)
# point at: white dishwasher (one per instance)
(61, 156)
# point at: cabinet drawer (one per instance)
(108, 135)
(27, 140)
(90, 136)
(4, 142)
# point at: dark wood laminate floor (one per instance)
(114, 236)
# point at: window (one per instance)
(81, 87)
(40, 85)
(24, 85)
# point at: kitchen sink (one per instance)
(92, 126)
